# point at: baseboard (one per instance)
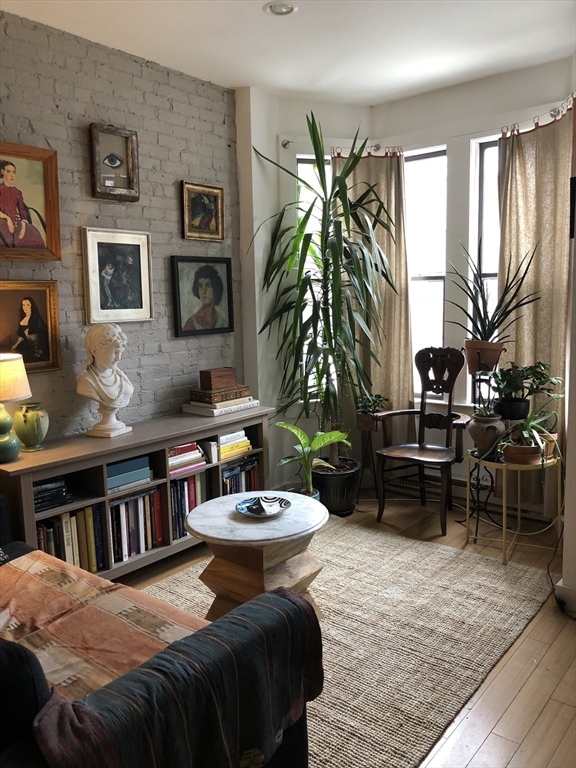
(568, 595)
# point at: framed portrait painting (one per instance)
(117, 275)
(29, 206)
(115, 174)
(202, 212)
(202, 294)
(29, 322)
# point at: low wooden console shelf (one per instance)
(509, 537)
(82, 461)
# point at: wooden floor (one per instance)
(524, 714)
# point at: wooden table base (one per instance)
(238, 573)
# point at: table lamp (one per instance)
(13, 386)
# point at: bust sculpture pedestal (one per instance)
(109, 425)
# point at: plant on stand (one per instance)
(367, 407)
(307, 449)
(327, 271)
(532, 440)
(516, 383)
(486, 324)
(485, 427)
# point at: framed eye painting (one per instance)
(202, 294)
(117, 275)
(114, 163)
(29, 210)
(202, 212)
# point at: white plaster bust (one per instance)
(101, 379)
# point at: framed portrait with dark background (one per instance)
(114, 155)
(202, 295)
(29, 322)
(202, 212)
(29, 206)
(117, 275)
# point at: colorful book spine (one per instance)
(67, 533)
(82, 541)
(128, 478)
(177, 450)
(98, 536)
(185, 470)
(127, 465)
(232, 437)
(90, 540)
(75, 549)
(158, 518)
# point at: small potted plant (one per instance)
(486, 426)
(516, 383)
(488, 326)
(306, 452)
(533, 440)
(368, 405)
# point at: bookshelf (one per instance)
(83, 461)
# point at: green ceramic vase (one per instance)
(31, 424)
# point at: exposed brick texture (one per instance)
(53, 85)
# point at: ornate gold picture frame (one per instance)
(202, 212)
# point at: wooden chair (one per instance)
(438, 368)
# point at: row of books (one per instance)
(129, 473)
(227, 446)
(52, 493)
(185, 457)
(136, 525)
(76, 537)
(185, 494)
(240, 477)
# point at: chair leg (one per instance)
(422, 485)
(380, 464)
(449, 500)
(445, 483)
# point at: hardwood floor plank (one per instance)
(542, 742)
(534, 695)
(565, 754)
(566, 689)
(495, 752)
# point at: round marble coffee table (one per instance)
(254, 555)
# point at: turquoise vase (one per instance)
(31, 424)
(9, 443)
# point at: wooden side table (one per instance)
(475, 464)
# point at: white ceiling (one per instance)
(361, 52)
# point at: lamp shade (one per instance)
(13, 379)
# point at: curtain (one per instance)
(534, 178)
(393, 378)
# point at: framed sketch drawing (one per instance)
(29, 322)
(114, 163)
(29, 209)
(117, 275)
(202, 294)
(202, 212)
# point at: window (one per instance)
(489, 218)
(425, 195)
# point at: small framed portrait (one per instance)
(202, 293)
(114, 163)
(202, 212)
(117, 275)
(29, 210)
(29, 322)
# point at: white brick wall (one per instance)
(53, 85)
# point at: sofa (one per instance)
(97, 675)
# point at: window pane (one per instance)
(426, 215)
(426, 317)
(490, 217)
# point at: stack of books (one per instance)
(52, 493)
(185, 494)
(184, 458)
(233, 444)
(122, 475)
(136, 525)
(75, 537)
(219, 400)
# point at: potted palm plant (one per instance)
(306, 452)
(487, 327)
(327, 272)
(516, 383)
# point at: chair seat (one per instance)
(431, 454)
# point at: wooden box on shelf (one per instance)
(218, 378)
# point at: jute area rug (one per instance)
(410, 630)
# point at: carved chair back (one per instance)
(438, 368)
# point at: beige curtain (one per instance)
(535, 211)
(393, 378)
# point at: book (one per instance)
(191, 489)
(47, 485)
(148, 537)
(237, 452)
(90, 540)
(227, 447)
(186, 458)
(158, 518)
(82, 541)
(177, 450)
(41, 536)
(58, 538)
(67, 531)
(98, 536)
(128, 486)
(218, 395)
(75, 550)
(197, 410)
(49, 531)
(117, 481)
(142, 542)
(223, 404)
(128, 465)
(210, 449)
(184, 470)
(232, 437)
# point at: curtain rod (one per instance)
(286, 143)
(555, 113)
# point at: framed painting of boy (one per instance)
(29, 209)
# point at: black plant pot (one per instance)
(513, 408)
(338, 487)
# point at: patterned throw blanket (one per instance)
(221, 697)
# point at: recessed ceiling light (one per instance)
(279, 9)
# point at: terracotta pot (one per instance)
(550, 445)
(482, 355)
(485, 431)
(522, 454)
(366, 422)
